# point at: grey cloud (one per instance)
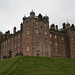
(12, 11)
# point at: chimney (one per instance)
(56, 27)
(64, 26)
(14, 30)
(21, 26)
(72, 26)
(8, 33)
(52, 27)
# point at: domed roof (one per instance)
(24, 18)
(46, 17)
(32, 12)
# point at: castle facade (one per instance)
(36, 38)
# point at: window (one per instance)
(8, 48)
(6, 41)
(18, 51)
(15, 53)
(72, 45)
(50, 35)
(18, 36)
(51, 50)
(15, 45)
(56, 50)
(45, 25)
(46, 48)
(45, 40)
(36, 23)
(55, 37)
(63, 52)
(18, 44)
(27, 32)
(72, 39)
(12, 46)
(37, 40)
(55, 43)
(45, 33)
(15, 37)
(51, 43)
(62, 38)
(27, 49)
(41, 27)
(27, 40)
(63, 44)
(27, 24)
(36, 31)
(37, 47)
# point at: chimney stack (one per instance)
(56, 27)
(21, 26)
(64, 26)
(52, 27)
(14, 30)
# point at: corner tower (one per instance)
(36, 35)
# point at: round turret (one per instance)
(32, 14)
(24, 18)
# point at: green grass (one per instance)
(29, 65)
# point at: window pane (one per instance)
(45, 33)
(37, 31)
(27, 32)
(55, 43)
(27, 48)
(37, 40)
(37, 47)
(55, 37)
(46, 48)
(50, 35)
(56, 50)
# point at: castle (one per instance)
(36, 38)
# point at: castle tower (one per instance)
(36, 36)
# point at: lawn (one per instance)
(30, 65)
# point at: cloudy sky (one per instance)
(12, 11)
